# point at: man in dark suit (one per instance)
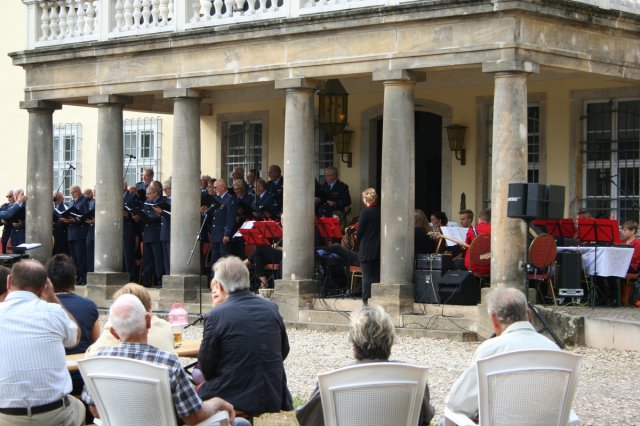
(368, 235)
(152, 264)
(265, 206)
(165, 227)
(91, 229)
(244, 345)
(276, 182)
(18, 218)
(8, 225)
(147, 178)
(130, 201)
(60, 228)
(223, 221)
(77, 233)
(334, 195)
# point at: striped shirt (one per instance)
(185, 398)
(33, 335)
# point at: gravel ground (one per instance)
(608, 391)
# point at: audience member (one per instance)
(371, 336)
(368, 236)
(242, 336)
(130, 324)
(510, 317)
(160, 333)
(4, 273)
(34, 331)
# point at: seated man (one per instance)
(371, 335)
(34, 331)
(510, 320)
(130, 323)
(243, 336)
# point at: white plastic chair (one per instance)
(381, 393)
(525, 388)
(131, 392)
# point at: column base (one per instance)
(183, 289)
(395, 298)
(102, 285)
(293, 295)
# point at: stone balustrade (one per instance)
(55, 22)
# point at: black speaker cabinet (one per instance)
(426, 286)
(535, 201)
(567, 275)
(433, 261)
(459, 288)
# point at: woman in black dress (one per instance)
(369, 239)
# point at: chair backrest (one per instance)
(381, 393)
(542, 251)
(128, 391)
(480, 250)
(529, 387)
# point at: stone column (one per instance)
(395, 291)
(185, 281)
(509, 165)
(39, 223)
(296, 288)
(108, 275)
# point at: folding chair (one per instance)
(542, 254)
(480, 256)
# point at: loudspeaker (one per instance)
(555, 209)
(535, 201)
(567, 274)
(459, 288)
(426, 285)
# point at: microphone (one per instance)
(70, 166)
(131, 156)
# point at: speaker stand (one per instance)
(527, 268)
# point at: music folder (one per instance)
(70, 213)
(164, 205)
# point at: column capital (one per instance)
(399, 75)
(109, 99)
(300, 83)
(39, 104)
(511, 66)
(184, 92)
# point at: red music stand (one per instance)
(598, 231)
(559, 228)
(269, 228)
(329, 227)
(254, 237)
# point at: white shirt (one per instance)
(33, 335)
(520, 335)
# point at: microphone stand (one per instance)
(126, 169)
(200, 316)
(634, 204)
(64, 171)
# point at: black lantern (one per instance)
(333, 105)
(343, 146)
(455, 134)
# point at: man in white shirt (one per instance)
(510, 320)
(34, 330)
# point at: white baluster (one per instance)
(128, 14)
(170, 15)
(263, 6)
(230, 4)
(155, 12)
(71, 19)
(217, 4)
(206, 6)
(80, 14)
(137, 13)
(119, 16)
(195, 5)
(240, 6)
(44, 18)
(164, 12)
(146, 13)
(54, 26)
(62, 19)
(88, 18)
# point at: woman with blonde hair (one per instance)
(369, 237)
(160, 333)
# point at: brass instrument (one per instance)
(349, 240)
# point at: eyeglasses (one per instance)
(10, 196)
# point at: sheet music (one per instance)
(29, 246)
(246, 225)
(456, 232)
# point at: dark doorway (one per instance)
(428, 159)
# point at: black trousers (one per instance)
(370, 274)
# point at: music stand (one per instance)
(253, 236)
(329, 227)
(269, 229)
(600, 232)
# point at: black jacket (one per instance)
(369, 233)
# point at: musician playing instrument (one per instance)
(422, 243)
(628, 233)
(482, 227)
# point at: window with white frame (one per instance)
(533, 150)
(142, 143)
(610, 158)
(67, 143)
(324, 153)
(243, 146)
